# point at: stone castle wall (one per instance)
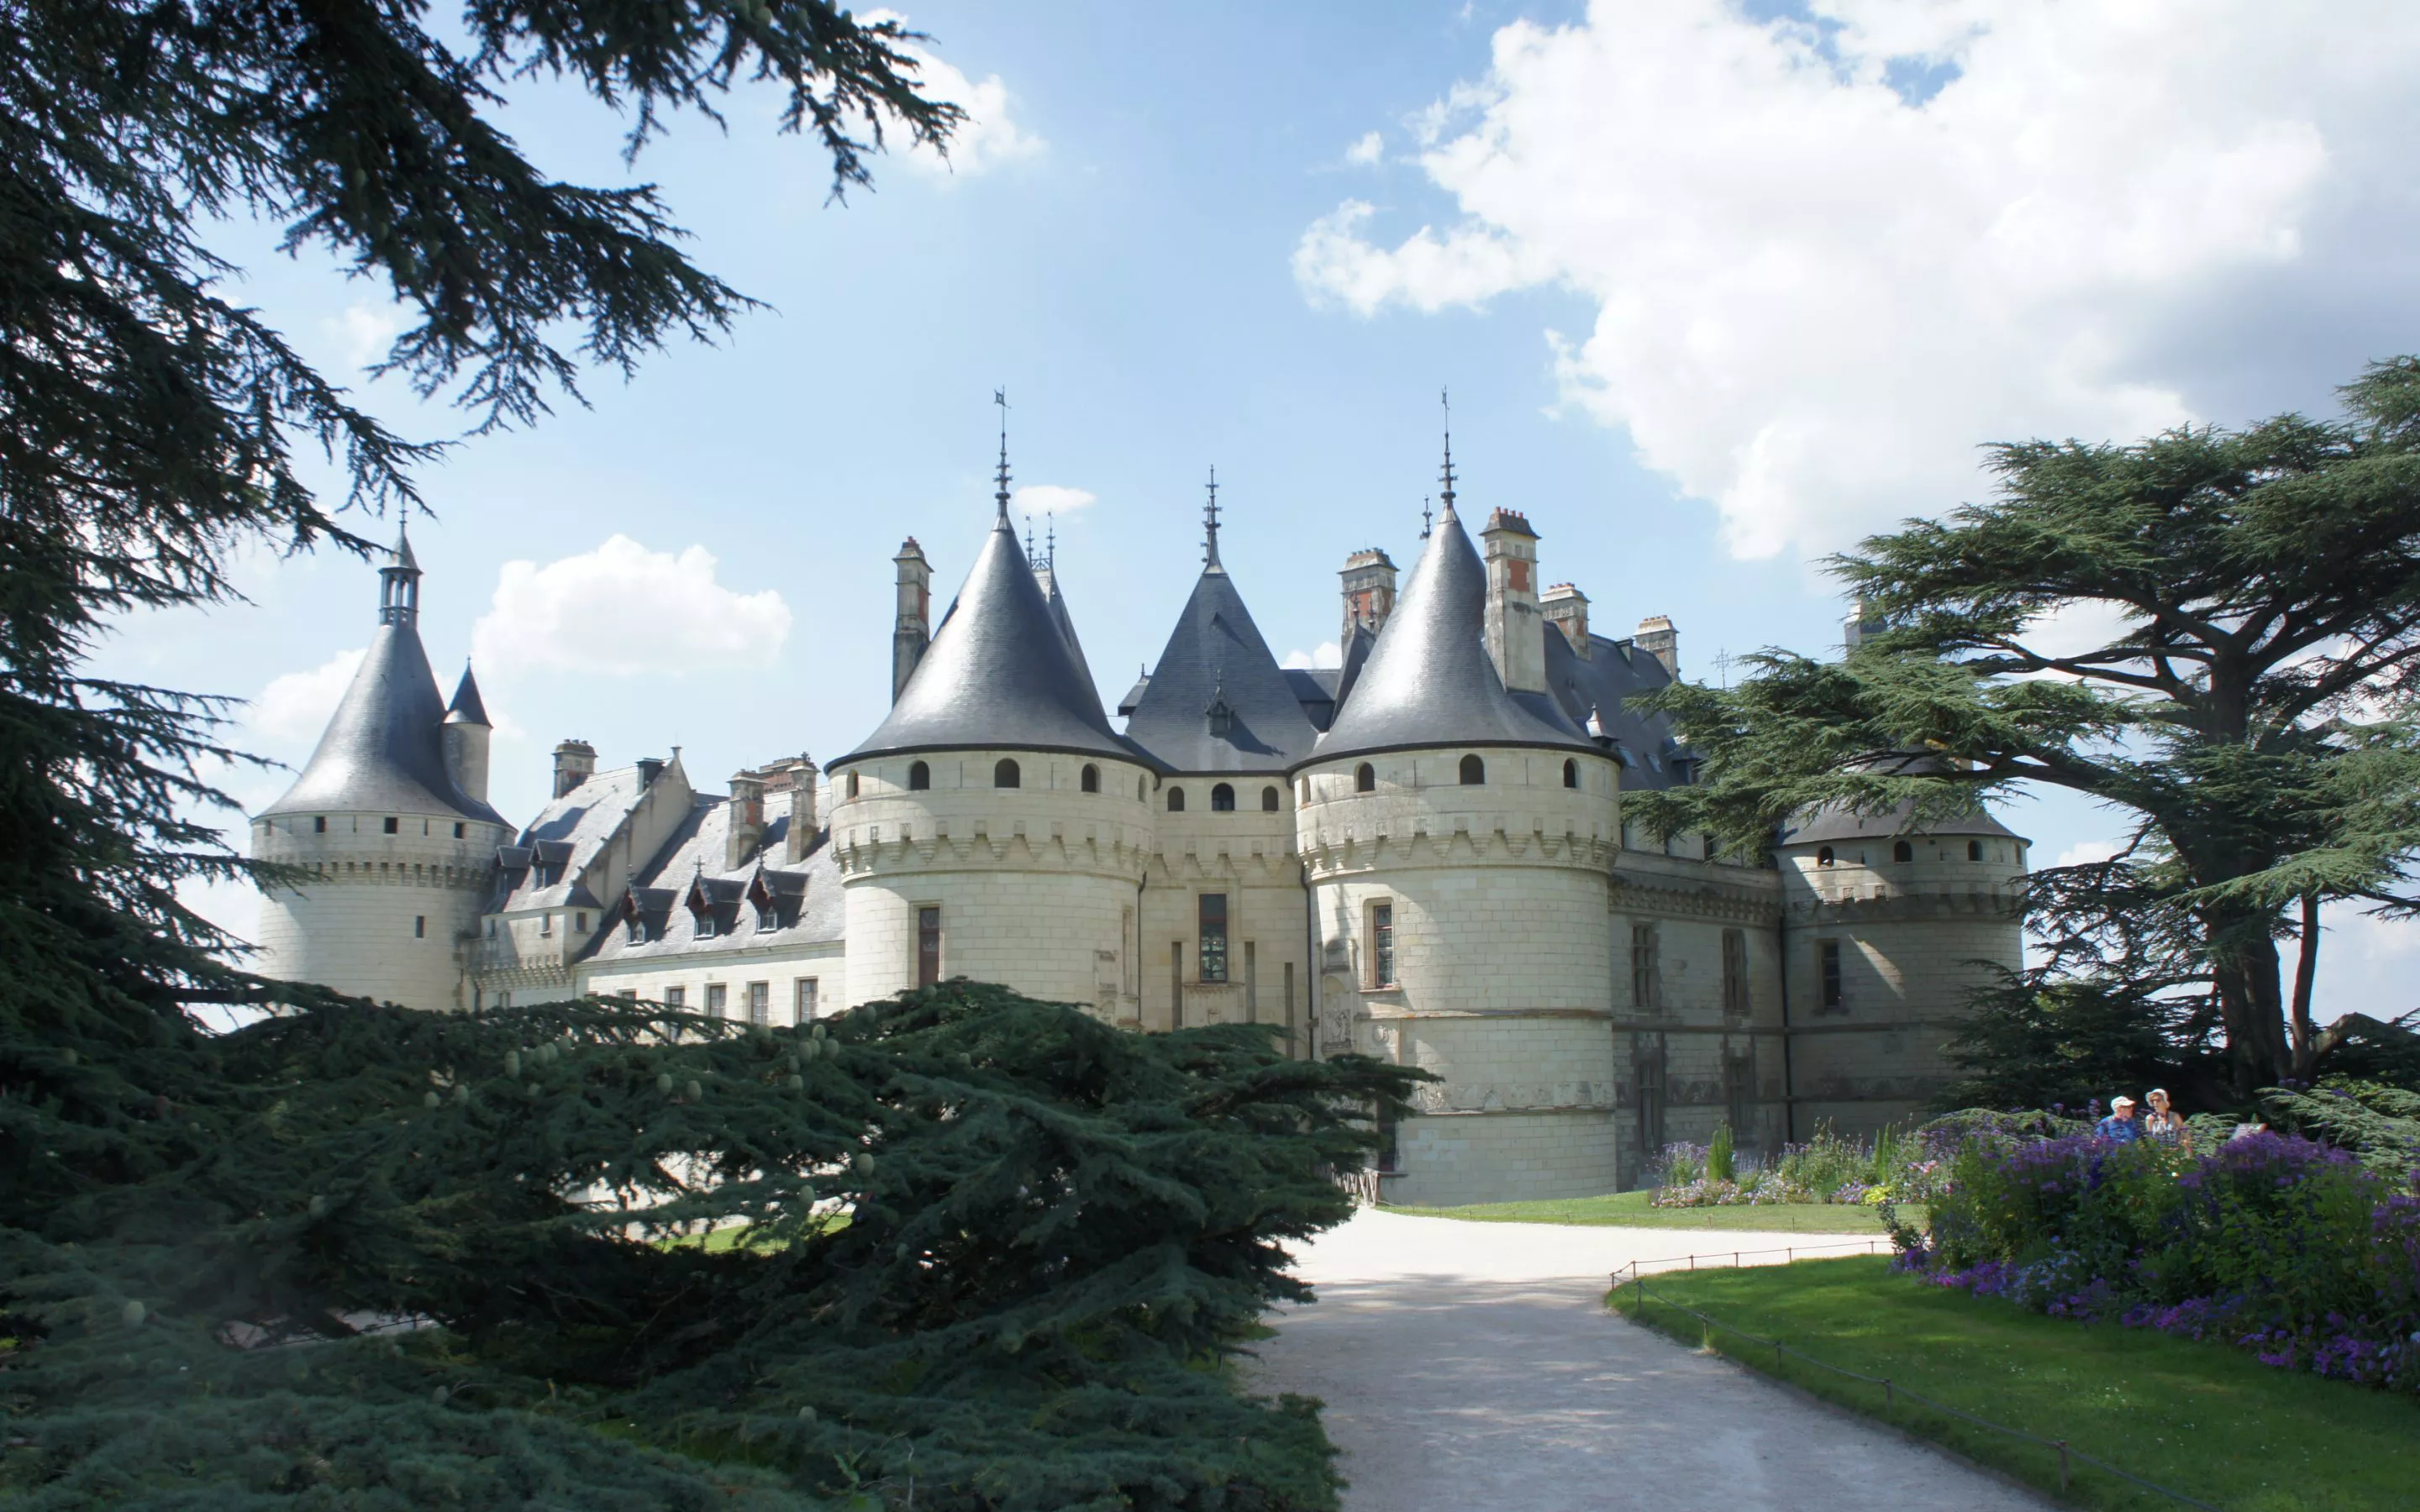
(380, 916)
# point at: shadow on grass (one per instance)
(1632, 1210)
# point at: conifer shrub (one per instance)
(364, 1257)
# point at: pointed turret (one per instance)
(1001, 670)
(1429, 680)
(385, 750)
(465, 736)
(1217, 701)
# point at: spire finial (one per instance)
(1445, 494)
(1425, 520)
(1032, 557)
(1050, 539)
(1210, 528)
(1000, 397)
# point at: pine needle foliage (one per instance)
(2247, 701)
(424, 1258)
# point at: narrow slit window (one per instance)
(1212, 913)
(1382, 944)
(1827, 955)
(928, 946)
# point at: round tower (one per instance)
(994, 826)
(1887, 924)
(1458, 839)
(395, 854)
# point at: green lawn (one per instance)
(2205, 1419)
(1630, 1209)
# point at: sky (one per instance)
(1717, 290)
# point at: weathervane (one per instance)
(1210, 524)
(1000, 397)
(1445, 494)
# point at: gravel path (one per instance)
(1471, 1364)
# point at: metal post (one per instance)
(2062, 1467)
(1890, 1399)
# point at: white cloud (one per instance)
(989, 137)
(297, 706)
(1816, 296)
(1051, 498)
(2087, 853)
(1366, 150)
(362, 332)
(623, 610)
(1327, 654)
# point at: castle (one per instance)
(1419, 855)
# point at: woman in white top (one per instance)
(2164, 1124)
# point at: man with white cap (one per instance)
(2120, 1128)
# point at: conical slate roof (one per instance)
(383, 752)
(1429, 680)
(1048, 576)
(998, 672)
(1216, 656)
(467, 707)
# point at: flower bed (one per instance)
(2273, 1243)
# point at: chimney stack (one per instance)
(803, 825)
(1369, 580)
(1565, 608)
(914, 631)
(1657, 638)
(1858, 627)
(747, 819)
(1515, 638)
(575, 762)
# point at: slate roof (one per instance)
(383, 751)
(1594, 691)
(762, 903)
(1048, 578)
(999, 673)
(1429, 680)
(1831, 823)
(467, 707)
(1215, 657)
(542, 868)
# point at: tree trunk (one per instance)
(2307, 969)
(2252, 1008)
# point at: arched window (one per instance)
(1570, 774)
(1175, 800)
(1222, 798)
(1004, 774)
(1302, 793)
(1474, 771)
(1091, 778)
(1824, 856)
(1902, 852)
(1365, 779)
(919, 777)
(1974, 850)
(852, 784)
(1268, 800)
(1142, 790)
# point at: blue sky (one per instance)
(1715, 290)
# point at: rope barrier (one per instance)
(1789, 1252)
(1893, 1393)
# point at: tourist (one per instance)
(2164, 1124)
(2120, 1128)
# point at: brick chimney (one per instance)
(1657, 638)
(747, 820)
(802, 835)
(1565, 608)
(914, 630)
(575, 762)
(1369, 580)
(1515, 638)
